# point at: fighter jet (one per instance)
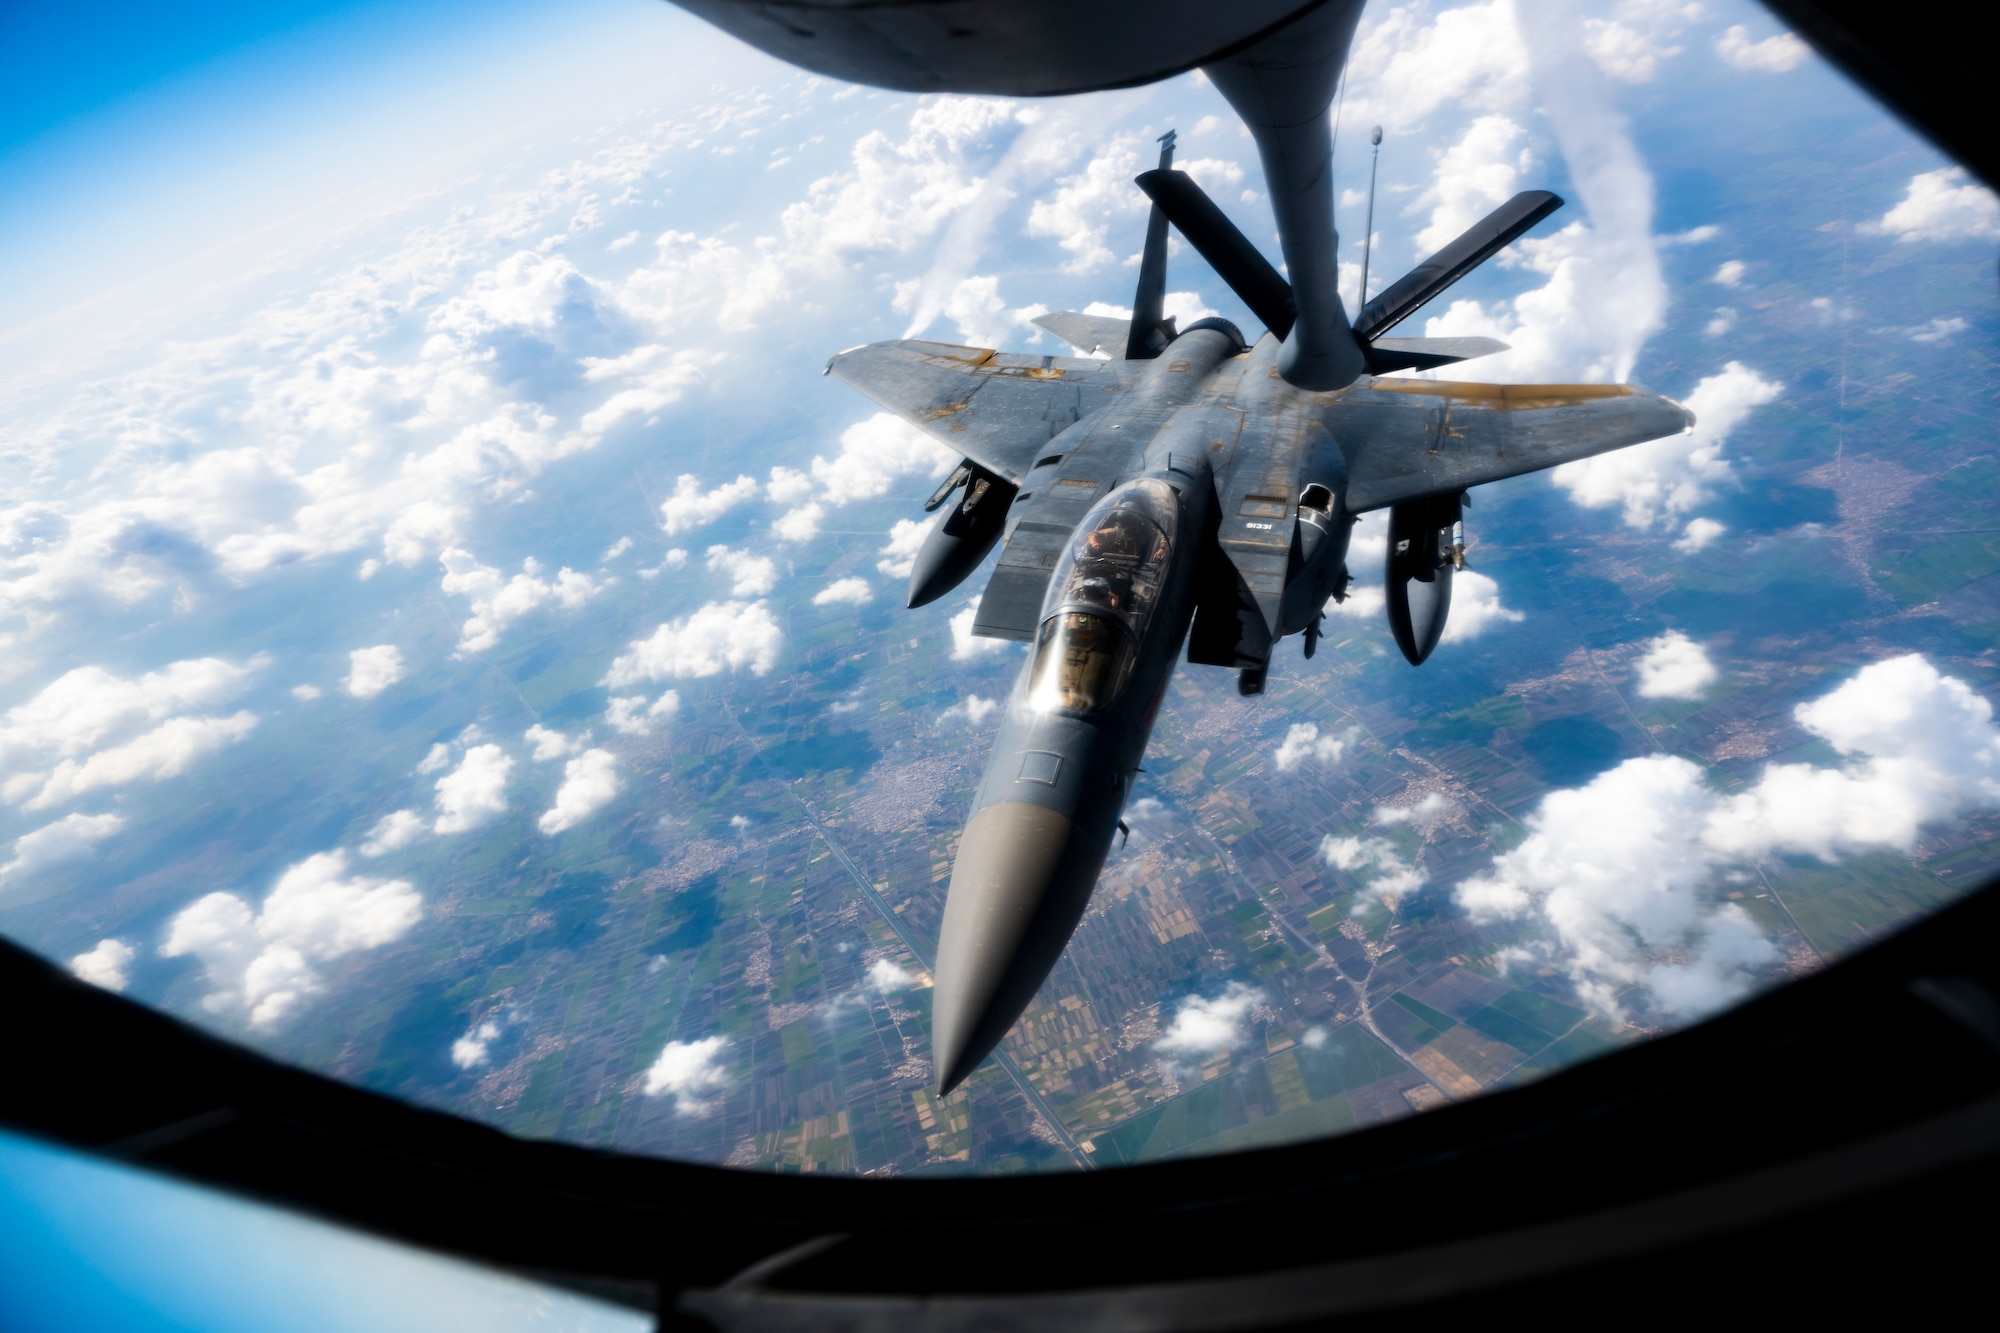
(1192, 488)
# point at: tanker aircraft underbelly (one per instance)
(1192, 492)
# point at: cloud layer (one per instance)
(1618, 871)
(263, 964)
(90, 729)
(1207, 1025)
(690, 1072)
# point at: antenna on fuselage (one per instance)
(1150, 336)
(1368, 232)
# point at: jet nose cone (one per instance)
(1017, 891)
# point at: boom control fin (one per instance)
(1477, 244)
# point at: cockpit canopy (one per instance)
(1119, 558)
(1102, 597)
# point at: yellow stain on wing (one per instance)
(948, 353)
(1504, 397)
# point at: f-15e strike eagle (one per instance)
(1195, 488)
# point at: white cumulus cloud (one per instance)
(475, 1047)
(887, 977)
(373, 670)
(475, 791)
(106, 964)
(799, 524)
(263, 963)
(1206, 1025)
(899, 557)
(1675, 667)
(1660, 480)
(1619, 870)
(1081, 212)
(1613, 869)
(89, 728)
(1403, 69)
(1627, 51)
(1475, 607)
(972, 709)
(873, 455)
(1698, 533)
(590, 782)
(689, 1072)
(967, 646)
(974, 303)
(546, 743)
(1377, 863)
(721, 636)
(498, 601)
(1940, 330)
(1304, 742)
(1473, 177)
(1433, 807)
(690, 507)
(393, 832)
(1942, 205)
(1604, 294)
(844, 592)
(1773, 55)
(166, 751)
(1920, 748)
(749, 575)
(633, 716)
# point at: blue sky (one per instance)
(63, 68)
(132, 139)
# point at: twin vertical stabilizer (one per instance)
(1151, 330)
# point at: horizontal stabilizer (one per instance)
(1387, 354)
(1093, 335)
(1227, 250)
(1405, 439)
(1479, 243)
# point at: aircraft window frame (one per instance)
(1092, 578)
(1078, 674)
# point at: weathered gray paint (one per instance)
(1409, 438)
(1023, 48)
(996, 408)
(1399, 439)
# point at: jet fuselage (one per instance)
(1113, 620)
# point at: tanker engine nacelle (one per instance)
(1426, 544)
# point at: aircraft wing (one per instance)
(996, 408)
(1408, 438)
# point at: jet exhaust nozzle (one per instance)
(1423, 551)
(957, 544)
